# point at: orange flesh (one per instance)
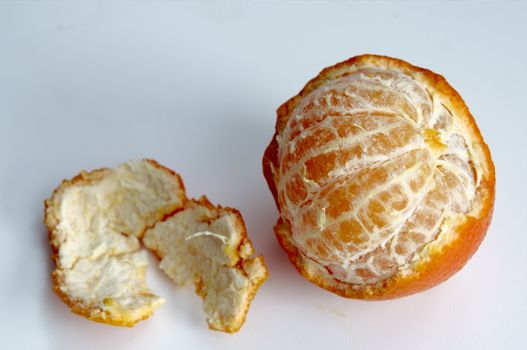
(365, 177)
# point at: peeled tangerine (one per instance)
(96, 221)
(383, 182)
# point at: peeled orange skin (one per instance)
(438, 259)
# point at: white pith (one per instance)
(456, 159)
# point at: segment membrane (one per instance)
(369, 166)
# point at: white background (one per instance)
(195, 86)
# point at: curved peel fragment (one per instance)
(94, 222)
(208, 246)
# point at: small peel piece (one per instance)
(94, 222)
(208, 246)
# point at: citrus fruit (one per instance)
(382, 179)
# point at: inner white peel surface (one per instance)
(99, 222)
(207, 247)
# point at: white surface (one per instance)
(195, 86)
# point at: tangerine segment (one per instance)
(376, 167)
